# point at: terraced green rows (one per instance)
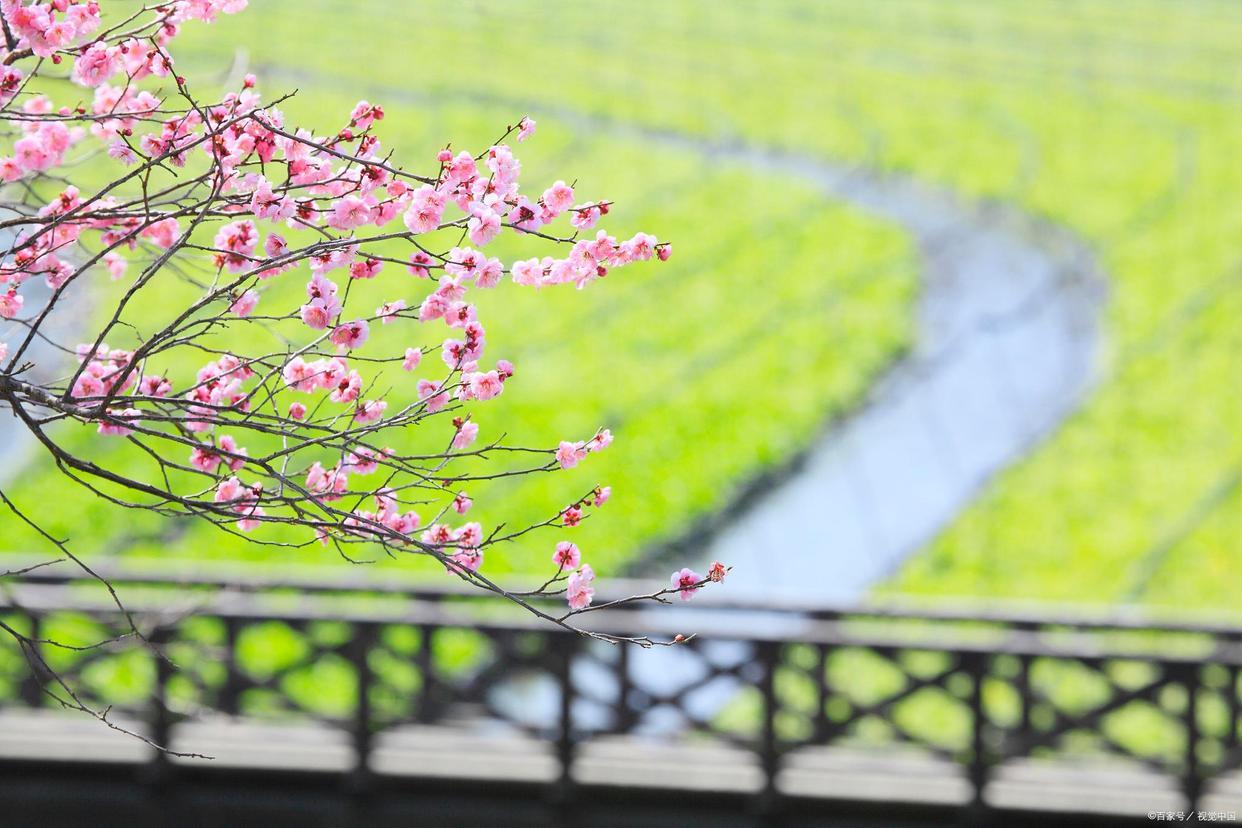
(1120, 120)
(698, 365)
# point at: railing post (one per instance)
(359, 649)
(821, 694)
(1024, 693)
(32, 683)
(160, 722)
(1191, 782)
(230, 694)
(565, 723)
(625, 714)
(769, 751)
(976, 664)
(1232, 735)
(426, 666)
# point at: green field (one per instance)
(1118, 120)
(653, 352)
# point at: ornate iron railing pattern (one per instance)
(976, 693)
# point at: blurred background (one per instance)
(953, 310)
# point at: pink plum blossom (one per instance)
(370, 411)
(526, 128)
(244, 305)
(352, 334)
(559, 197)
(569, 454)
(486, 385)
(388, 311)
(579, 591)
(601, 495)
(259, 175)
(601, 441)
(119, 429)
(10, 303)
(483, 225)
(425, 210)
(566, 555)
(466, 434)
(685, 581)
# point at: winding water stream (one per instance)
(1007, 345)
(17, 444)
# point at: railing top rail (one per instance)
(160, 610)
(407, 585)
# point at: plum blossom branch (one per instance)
(272, 368)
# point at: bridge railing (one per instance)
(773, 690)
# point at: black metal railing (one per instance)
(972, 693)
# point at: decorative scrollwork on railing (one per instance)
(978, 695)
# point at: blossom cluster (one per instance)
(244, 201)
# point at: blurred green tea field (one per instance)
(654, 353)
(1120, 121)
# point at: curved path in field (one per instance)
(1007, 346)
(16, 443)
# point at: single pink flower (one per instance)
(559, 197)
(566, 555)
(601, 441)
(483, 225)
(154, 386)
(489, 273)
(365, 269)
(430, 393)
(388, 311)
(685, 581)
(117, 429)
(420, 264)
(244, 305)
(526, 128)
(578, 591)
(470, 534)
(486, 385)
(602, 493)
(370, 411)
(347, 388)
(10, 303)
(349, 212)
(570, 454)
(469, 558)
(433, 307)
(466, 435)
(425, 210)
(351, 335)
